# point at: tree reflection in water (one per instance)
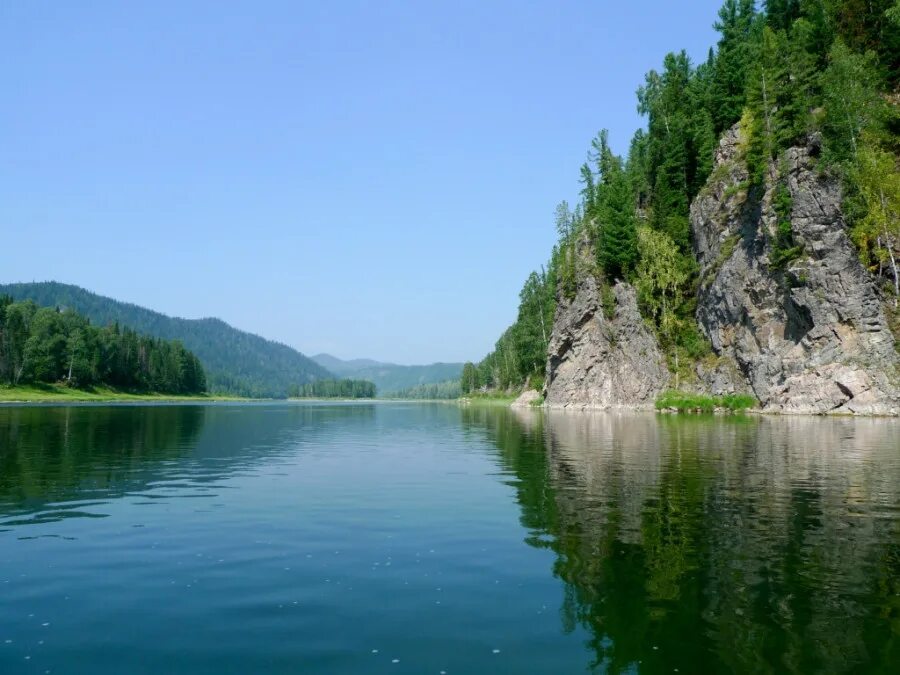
(747, 544)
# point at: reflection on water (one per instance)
(54, 460)
(50, 455)
(408, 538)
(737, 544)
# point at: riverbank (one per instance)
(487, 399)
(62, 394)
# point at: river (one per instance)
(435, 538)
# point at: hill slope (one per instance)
(236, 362)
(390, 378)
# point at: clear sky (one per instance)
(371, 179)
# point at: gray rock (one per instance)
(718, 378)
(599, 362)
(527, 399)
(812, 338)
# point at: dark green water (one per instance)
(403, 538)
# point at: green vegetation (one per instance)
(334, 389)
(784, 248)
(686, 402)
(488, 398)
(608, 301)
(725, 252)
(433, 391)
(876, 230)
(235, 362)
(50, 393)
(787, 70)
(44, 345)
(392, 380)
(521, 352)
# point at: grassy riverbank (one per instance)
(57, 393)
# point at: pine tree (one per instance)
(766, 92)
(565, 229)
(735, 24)
(616, 214)
(780, 14)
(666, 102)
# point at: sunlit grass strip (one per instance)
(488, 398)
(60, 393)
(686, 402)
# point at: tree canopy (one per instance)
(47, 345)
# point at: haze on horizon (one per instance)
(366, 181)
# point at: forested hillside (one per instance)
(46, 345)
(446, 390)
(235, 362)
(334, 389)
(815, 73)
(391, 379)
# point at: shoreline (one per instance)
(53, 394)
(719, 412)
(25, 395)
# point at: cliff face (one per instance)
(807, 336)
(596, 361)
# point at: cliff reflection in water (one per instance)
(737, 544)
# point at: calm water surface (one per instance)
(405, 538)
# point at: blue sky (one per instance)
(370, 179)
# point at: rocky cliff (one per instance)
(806, 333)
(603, 357)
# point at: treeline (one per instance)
(521, 352)
(334, 389)
(783, 72)
(46, 345)
(236, 362)
(449, 389)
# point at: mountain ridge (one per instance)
(390, 378)
(236, 361)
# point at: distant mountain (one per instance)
(236, 362)
(390, 378)
(341, 367)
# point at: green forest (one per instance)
(334, 389)
(391, 379)
(236, 362)
(783, 72)
(43, 345)
(431, 391)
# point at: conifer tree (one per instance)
(735, 24)
(615, 212)
(780, 14)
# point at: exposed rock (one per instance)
(811, 338)
(527, 399)
(719, 377)
(600, 362)
(808, 336)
